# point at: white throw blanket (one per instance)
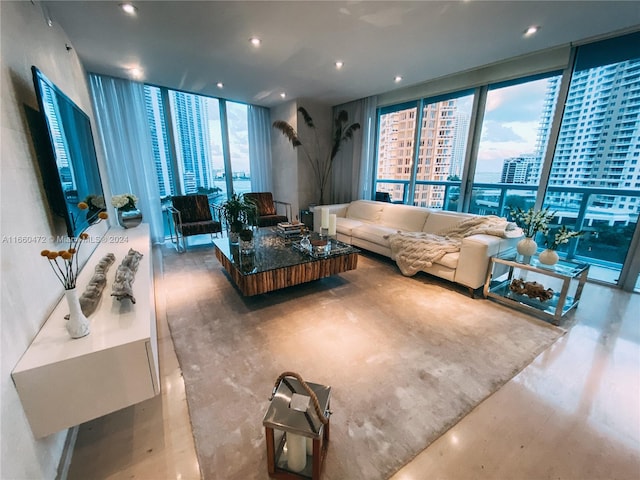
(414, 251)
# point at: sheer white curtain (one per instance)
(121, 115)
(352, 175)
(260, 148)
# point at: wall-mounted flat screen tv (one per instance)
(73, 175)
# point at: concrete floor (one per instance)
(574, 413)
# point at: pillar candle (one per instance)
(309, 446)
(325, 217)
(296, 452)
(332, 225)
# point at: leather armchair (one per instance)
(192, 215)
(267, 208)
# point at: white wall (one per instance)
(29, 288)
(284, 158)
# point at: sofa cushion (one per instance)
(374, 233)
(404, 217)
(438, 221)
(450, 260)
(365, 210)
(346, 225)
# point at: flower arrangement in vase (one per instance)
(560, 237)
(531, 222)
(128, 214)
(65, 265)
(95, 205)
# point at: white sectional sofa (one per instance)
(367, 224)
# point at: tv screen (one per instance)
(74, 176)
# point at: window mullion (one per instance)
(173, 154)
(554, 132)
(416, 153)
(473, 142)
(226, 152)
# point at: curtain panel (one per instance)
(120, 111)
(259, 122)
(352, 174)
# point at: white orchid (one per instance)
(531, 221)
(562, 236)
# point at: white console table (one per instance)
(62, 381)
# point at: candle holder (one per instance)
(297, 428)
(324, 232)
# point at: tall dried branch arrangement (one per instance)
(320, 160)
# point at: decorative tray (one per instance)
(329, 248)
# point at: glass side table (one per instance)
(549, 291)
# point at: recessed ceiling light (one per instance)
(339, 64)
(255, 41)
(128, 8)
(219, 84)
(283, 95)
(397, 78)
(135, 72)
(532, 30)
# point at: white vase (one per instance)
(548, 257)
(78, 324)
(527, 247)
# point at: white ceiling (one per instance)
(193, 45)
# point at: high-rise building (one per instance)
(599, 139)
(520, 169)
(435, 158)
(159, 140)
(440, 155)
(395, 149)
(459, 146)
(190, 125)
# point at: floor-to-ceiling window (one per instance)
(594, 181)
(239, 146)
(442, 146)
(513, 142)
(423, 166)
(396, 134)
(520, 154)
(189, 144)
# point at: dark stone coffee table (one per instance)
(277, 263)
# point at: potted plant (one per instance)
(238, 213)
(320, 159)
(246, 240)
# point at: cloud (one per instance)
(522, 103)
(496, 132)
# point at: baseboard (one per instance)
(67, 453)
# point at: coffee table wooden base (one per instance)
(262, 282)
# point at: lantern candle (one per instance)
(296, 452)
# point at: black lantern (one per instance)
(297, 427)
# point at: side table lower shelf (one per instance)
(567, 277)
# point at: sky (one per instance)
(510, 126)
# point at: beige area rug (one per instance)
(406, 358)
